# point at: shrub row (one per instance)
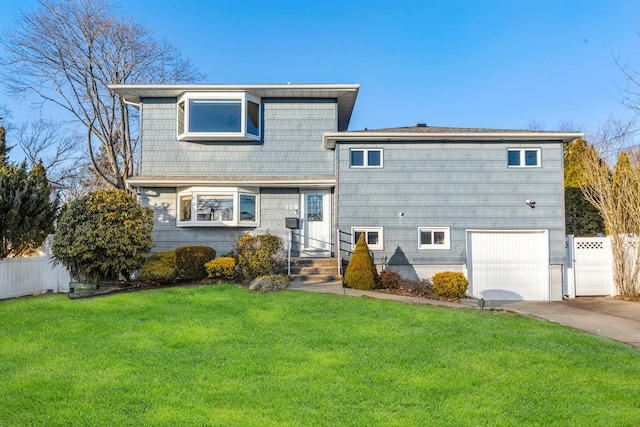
(259, 255)
(361, 274)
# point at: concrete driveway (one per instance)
(619, 320)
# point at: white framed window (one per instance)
(372, 235)
(523, 157)
(437, 238)
(365, 158)
(230, 116)
(218, 207)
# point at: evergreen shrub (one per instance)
(190, 261)
(223, 268)
(361, 272)
(449, 284)
(160, 268)
(103, 235)
(260, 255)
(27, 213)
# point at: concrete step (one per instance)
(314, 277)
(314, 269)
(306, 262)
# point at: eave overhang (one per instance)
(320, 181)
(330, 139)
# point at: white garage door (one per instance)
(508, 265)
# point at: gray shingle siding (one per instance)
(291, 145)
(462, 185)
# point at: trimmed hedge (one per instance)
(223, 268)
(361, 272)
(449, 284)
(190, 261)
(160, 268)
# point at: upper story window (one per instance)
(218, 207)
(365, 158)
(230, 116)
(523, 157)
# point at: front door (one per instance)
(316, 223)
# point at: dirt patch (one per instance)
(416, 290)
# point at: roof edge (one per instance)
(330, 139)
(289, 181)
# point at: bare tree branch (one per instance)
(68, 52)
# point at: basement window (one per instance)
(434, 238)
(372, 235)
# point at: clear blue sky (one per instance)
(493, 64)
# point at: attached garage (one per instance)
(508, 265)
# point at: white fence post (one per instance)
(569, 269)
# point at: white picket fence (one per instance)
(32, 275)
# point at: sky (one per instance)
(486, 64)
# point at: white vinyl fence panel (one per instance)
(32, 275)
(21, 276)
(589, 267)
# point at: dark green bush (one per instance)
(260, 255)
(102, 235)
(190, 261)
(160, 268)
(449, 284)
(390, 279)
(223, 268)
(361, 272)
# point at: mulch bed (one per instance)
(417, 290)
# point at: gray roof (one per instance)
(444, 129)
(438, 133)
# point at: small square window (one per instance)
(374, 158)
(514, 158)
(365, 158)
(523, 157)
(372, 235)
(530, 157)
(434, 238)
(357, 158)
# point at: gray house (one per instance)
(216, 161)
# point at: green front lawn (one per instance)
(220, 355)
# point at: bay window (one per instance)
(227, 116)
(218, 207)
